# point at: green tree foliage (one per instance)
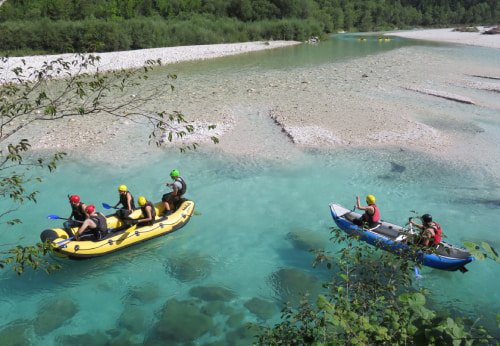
(12, 186)
(74, 25)
(61, 89)
(369, 301)
(47, 36)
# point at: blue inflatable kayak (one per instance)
(394, 238)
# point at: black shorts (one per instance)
(123, 213)
(170, 198)
(93, 234)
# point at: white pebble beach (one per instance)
(287, 98)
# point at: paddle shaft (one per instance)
(57, 217)
(63, 241)
(64, 218)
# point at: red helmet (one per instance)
(74, 199)
(90, 209)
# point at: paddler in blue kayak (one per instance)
(430, 231)
(371, 217)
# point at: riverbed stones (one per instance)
(210, 293)
(54, 313)
(180, 322)
(264, 309)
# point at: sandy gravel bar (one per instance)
(451, 36)
(364, 102)
(137, 58)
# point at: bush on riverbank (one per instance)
(371, 299)
(53, 37)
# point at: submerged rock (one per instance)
(13, 334)
(209, 293)
(146, 293)
(211, 308)
(216, 343)
(235, 319)
(54, 314)
(188, 268)
(307, 240)
(126, 339)
(132, 319)
(290, 284)
(241, 336)
(181, 321)
(96, 338)
(262, 308)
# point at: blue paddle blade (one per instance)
(106, 206)
(52, 217)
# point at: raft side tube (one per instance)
(49, 234)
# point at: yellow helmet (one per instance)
(370, 199)
(142, 201)
(122, 188)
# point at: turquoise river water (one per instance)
(256, 220)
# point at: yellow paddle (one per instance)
(125, 234)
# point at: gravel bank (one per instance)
(451, 36)
(364, 102)
(137, 58)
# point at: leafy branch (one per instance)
(28, 256)
(482, 252)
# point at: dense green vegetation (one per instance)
(371, 300)
(58, 26)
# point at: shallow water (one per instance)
(250, 209)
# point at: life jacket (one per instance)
(100, 222)
(372, 218)
(145, 213)
(101, 226)
(182, 191)
(437, 233)
(123, 200)
(78, 213)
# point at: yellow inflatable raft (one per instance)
(120, 235)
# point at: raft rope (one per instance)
(135, 232)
